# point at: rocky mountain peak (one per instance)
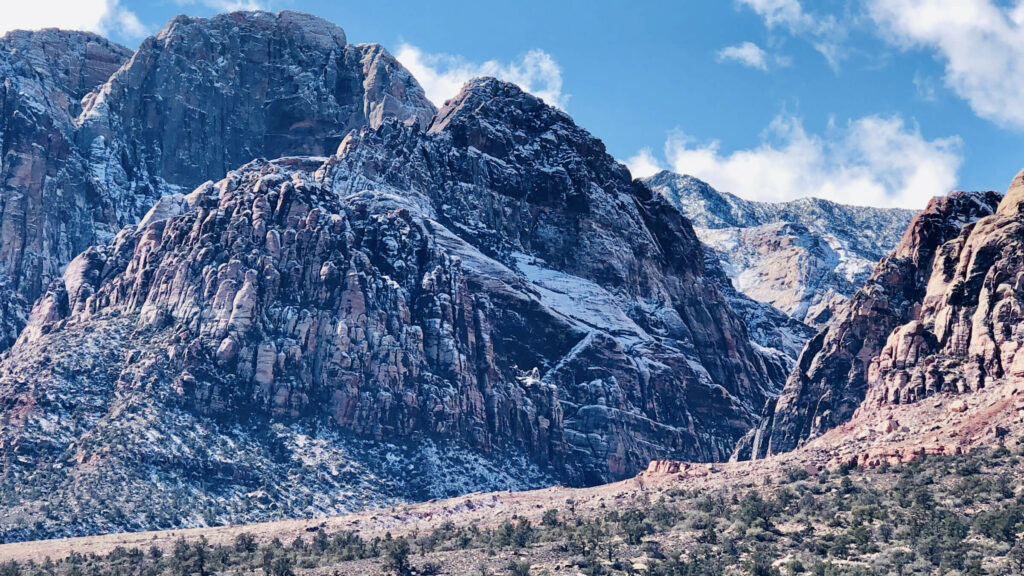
(1013, 201)
(493, 98)
(306, 28)
(883, 332)
(72, 62)
(940, 221)
(92, 138)
(254, 84)
(804, 257)
(704, 206)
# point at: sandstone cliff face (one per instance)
(968, 333)
(45, 205)
(89, 145)
(805, 257)
(495, 285)
(844, 363)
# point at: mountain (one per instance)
(45, 205)
(804, 257)
(93, 134)
(936, 315)
(478, 299)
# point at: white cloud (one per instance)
(824, 32)
(980, 42)
(643, 164)
(873, 161)
(925, 86)
(747, 53)
(442, 75)
(101, 16)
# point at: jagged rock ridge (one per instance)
(93, 135)
(906, 333)
(496, 286)
(805, 257)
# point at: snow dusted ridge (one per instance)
(93, 135)
(804, 257)
(485, 302)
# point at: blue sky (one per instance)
(882, 102)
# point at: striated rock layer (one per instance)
(92, 135)
(495, 286)
(927, 320)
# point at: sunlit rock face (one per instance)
(938, 314)
(805, 257)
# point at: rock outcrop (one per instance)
(46, 205)
(968, 333)
(805, 257)
(92, 135)
(886, 324)
(205, 96)
(495, 285)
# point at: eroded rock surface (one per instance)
(46, 204)
(495, 286)
(92, 134)
(864, 351)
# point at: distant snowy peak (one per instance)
(804, 256)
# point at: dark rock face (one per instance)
(495, 283)
(88, 146)
(207, 95)
(840, 366)
(45, 203)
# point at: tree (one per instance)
(396, 556)
(245, 543)
(709, 535)
(282, 566)
(550, 518)
(634, 526)
(1017, 556)
(320, 541)
(762, 565)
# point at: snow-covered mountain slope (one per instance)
(495, 288)
(804, 257)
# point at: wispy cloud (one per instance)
(106, 17)
(442, 75)
(747, 54)
(874, 160)
(981, 43)
(643, 164)
(226, 5)
(823, 31)
(925, 86)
